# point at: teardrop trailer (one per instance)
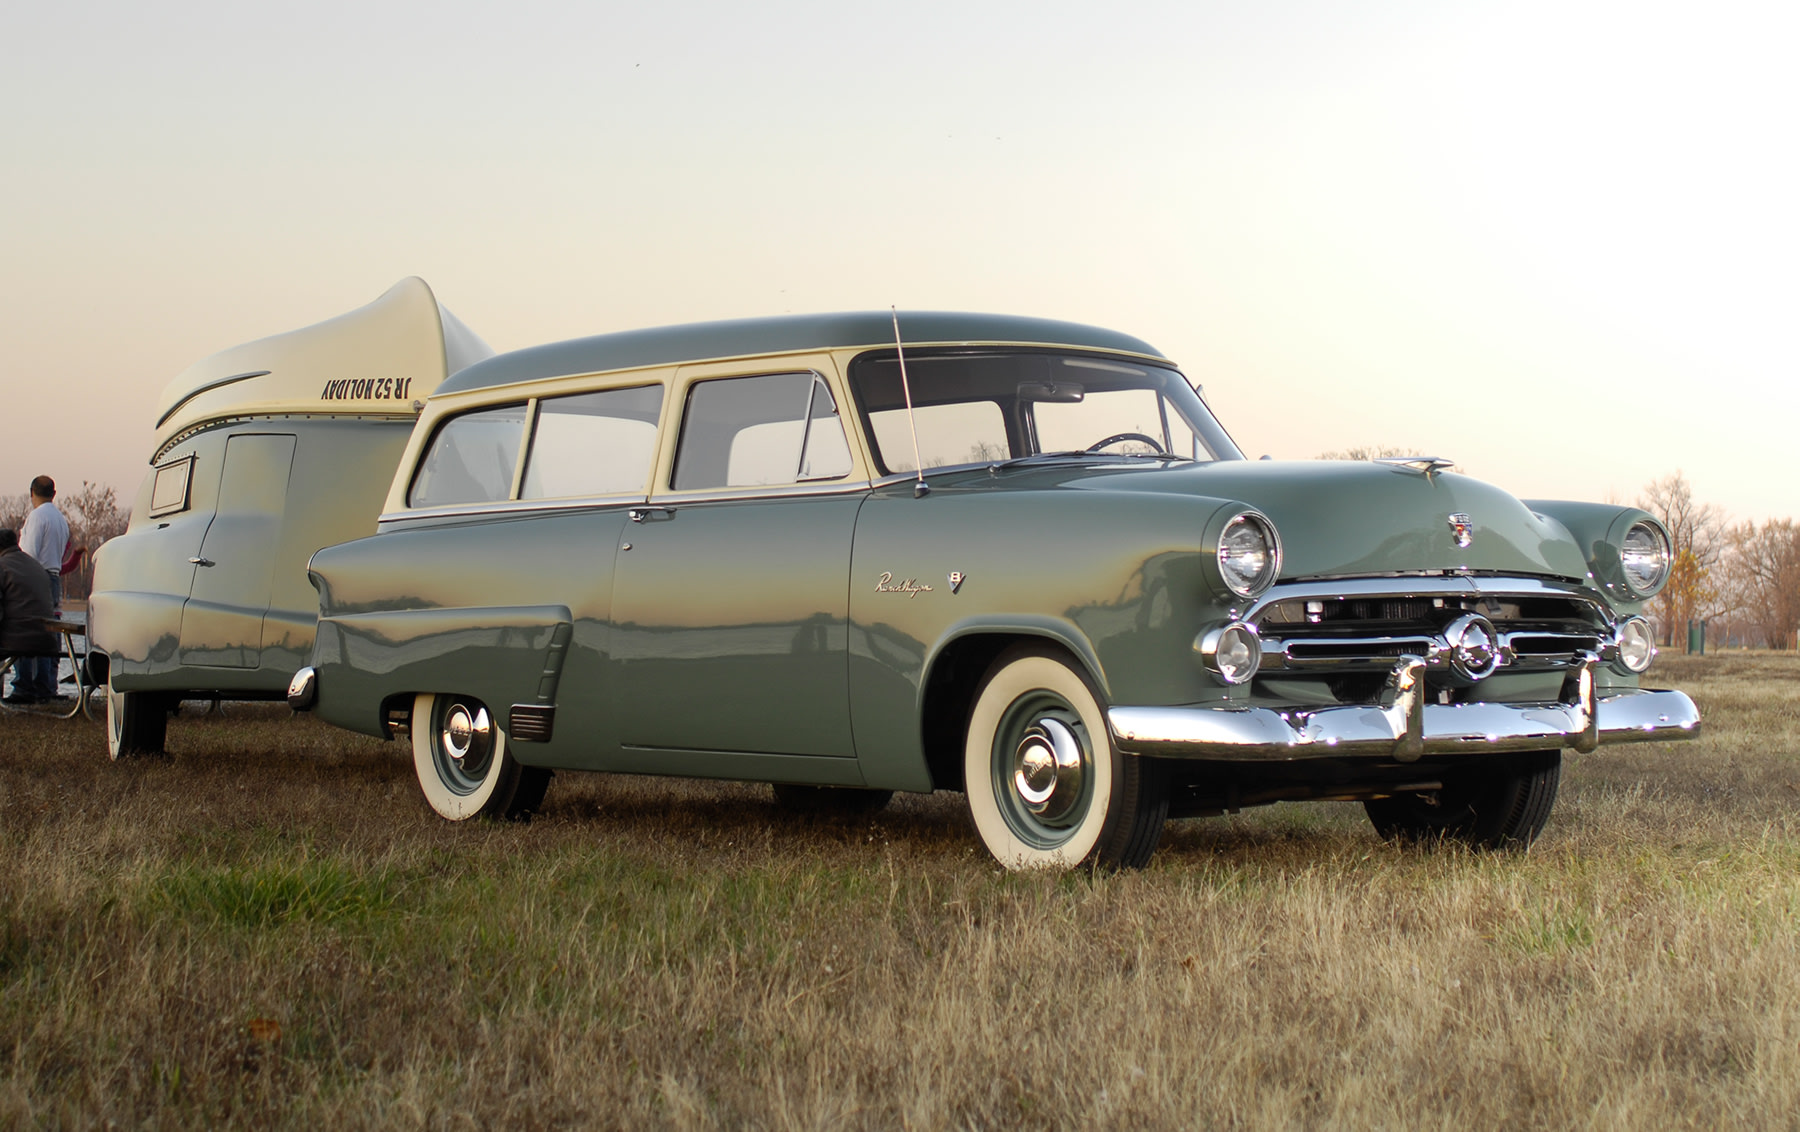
(264, 453)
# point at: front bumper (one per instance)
(1404, 727)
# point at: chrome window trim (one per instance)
(771, 491)
(589, 502)
(512, 507)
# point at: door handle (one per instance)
(640, 514)
(202, 561)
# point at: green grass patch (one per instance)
(265, 895)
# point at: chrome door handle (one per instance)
(202, 561)
(639, 514)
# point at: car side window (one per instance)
(471, 459)
(593, 443)
(750, 431)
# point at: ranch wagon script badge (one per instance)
(911, 587)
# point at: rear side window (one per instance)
(779, 428)
(471, 459)
(593, 443)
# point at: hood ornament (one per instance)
(1426, 464)
(1462, 529)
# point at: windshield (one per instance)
(985, 406)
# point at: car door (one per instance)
(222, 622)
(730, 599)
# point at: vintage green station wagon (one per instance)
(858, 553)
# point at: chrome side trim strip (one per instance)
(1406, 731)
(216, 383)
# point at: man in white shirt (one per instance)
(45, 536)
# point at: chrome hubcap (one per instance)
(463, 734)
(1047, 769)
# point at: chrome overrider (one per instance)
(1403, 727)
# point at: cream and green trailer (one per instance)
(263, 453)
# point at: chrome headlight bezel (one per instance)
(1634, 637)
(1258, 583)
(1645, 542)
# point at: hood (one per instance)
(1341, 518)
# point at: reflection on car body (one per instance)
(733, 550)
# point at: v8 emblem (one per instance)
(955, 578)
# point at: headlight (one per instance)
(1637, 646)
(1644, 554)
(1249, 554)
(1232, 653)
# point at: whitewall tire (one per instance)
(1046, 787)
(464, 769)
(136, 723)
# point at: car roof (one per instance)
(750, 337)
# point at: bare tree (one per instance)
(13, 509)
(1697, 531)
(1765, 564)
(94, 516)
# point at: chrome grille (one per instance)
(1348, 627)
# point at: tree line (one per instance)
(1742, 579)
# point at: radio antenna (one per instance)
(920, 488)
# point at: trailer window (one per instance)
(169, 493)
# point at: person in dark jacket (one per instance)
(25, 605)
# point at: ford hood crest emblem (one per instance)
(1462, 530)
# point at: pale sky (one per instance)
(1556, 242)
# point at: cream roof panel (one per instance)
(378, 358)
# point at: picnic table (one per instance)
(68, 628)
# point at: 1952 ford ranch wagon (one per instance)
(1006, 556)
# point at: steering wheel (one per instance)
(1118, 436)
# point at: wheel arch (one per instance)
(953, 673)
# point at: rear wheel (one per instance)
(459, 753)
(136, 723)
(1046, 787)
(1502, 806)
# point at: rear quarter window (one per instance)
(471, 459)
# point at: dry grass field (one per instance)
(270, 929)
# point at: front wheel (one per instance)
(459, 753)
(137, 723)
(1502, 806)
(1046, 786)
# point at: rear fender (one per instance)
(501, 655)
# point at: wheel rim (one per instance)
(462, 746)
(1042, 769)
